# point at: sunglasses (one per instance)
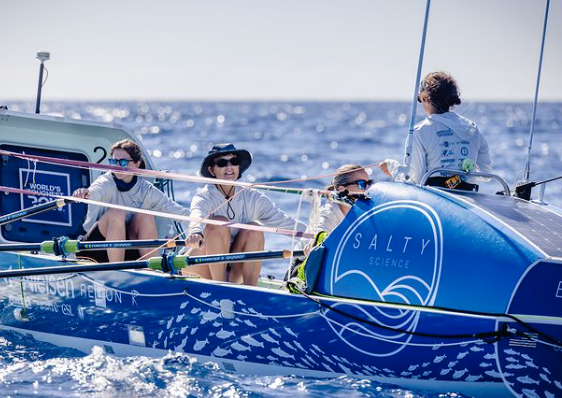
(222, 162)
(361, 184)
(120, 162)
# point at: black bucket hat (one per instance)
(222, 150)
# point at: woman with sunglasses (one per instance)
(444, 139)
(127, 190)
(351, 178)
(226, 163)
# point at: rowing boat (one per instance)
(426, 288)
(422, 287)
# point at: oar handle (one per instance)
(70, 269)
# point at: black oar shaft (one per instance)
(242, 257)
(127, 244)
(30, 211)
(16, 247)
(72, 246)
(69, 269)
(177, 262)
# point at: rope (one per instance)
(174, 176)
(463, 342)
(494, 335)
(295, 232)
(313, 197)
(171, 177)
(21, 285)
(250, 227)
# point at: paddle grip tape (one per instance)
(53, 247)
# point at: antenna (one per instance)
(527, 171)
(407, 155)
(41, 56)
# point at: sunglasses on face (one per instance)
(361, 184)
(222, 162)
(120, 162)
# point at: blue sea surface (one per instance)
(289, 140)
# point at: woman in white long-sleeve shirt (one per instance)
(444, 139)
(225, 162)
(126, 190)
(351, 178)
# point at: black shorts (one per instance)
(100, 256)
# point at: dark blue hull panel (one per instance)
(256, 326)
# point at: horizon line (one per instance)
(271, 99)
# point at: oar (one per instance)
(73, 246)
(30, 211)
(155, 263)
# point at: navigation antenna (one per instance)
(41, 56)
(408, 154)
(532, 130)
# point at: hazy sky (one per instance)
(285, 49)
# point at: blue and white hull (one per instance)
(418, 287)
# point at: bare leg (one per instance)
(217, 241)
(112, 226)
(248, 272)
(143, 226)
(201, 270)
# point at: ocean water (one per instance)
(289, 140)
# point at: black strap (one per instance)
(229, 210)
(442, 182)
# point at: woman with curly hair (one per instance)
(444, 139)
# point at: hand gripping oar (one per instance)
(30, 211)
(165, 263)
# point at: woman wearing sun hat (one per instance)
(226, 162)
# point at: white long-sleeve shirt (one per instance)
(248, 206)
(330, 217)
(143, 195)
(444, 141)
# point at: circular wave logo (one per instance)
(391, 253)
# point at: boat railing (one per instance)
(427, 175)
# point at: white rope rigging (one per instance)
(159, 174)
(177, 217)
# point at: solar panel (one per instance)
(537, 223)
